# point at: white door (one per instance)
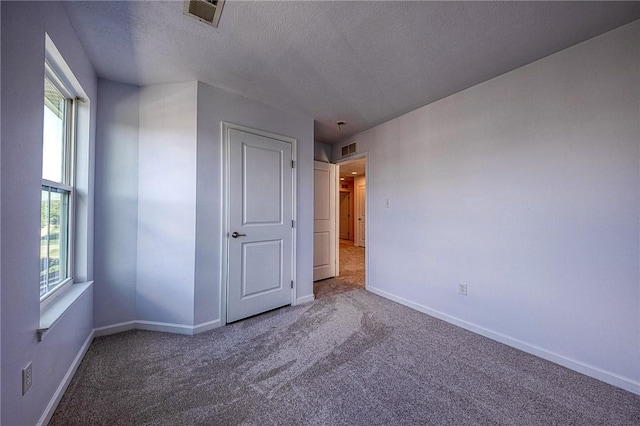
(361, 201)
(260, 235)
(324, 221)
(345, 215)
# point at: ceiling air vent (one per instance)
(207, 11)
(349, 149)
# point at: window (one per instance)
(66, 223)
(57, 185)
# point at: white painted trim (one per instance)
(165, 327)
(613, 379)
(64, 72)
(294, 216)
(206, 326)
(343, 162)
(304, 299)
(52, 311)
(336, 215)
(62, 387)
(224, 231)
(114, 329)
(157, 326)
(367, 209)
(224, 223)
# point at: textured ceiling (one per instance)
(361, 62)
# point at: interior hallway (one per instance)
(352, 273)
(352, 263)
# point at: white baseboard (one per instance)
(206, 326)
(305, 299)
(114, 329)
(589, 370)
(164, 327)
(156, 326)
(57, 396)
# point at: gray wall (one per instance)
(526, 188)
(116, 203)
(322, 152)
(22, 93)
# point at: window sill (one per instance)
(52, 312)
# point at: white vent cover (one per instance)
(207, 11)
(349, 149)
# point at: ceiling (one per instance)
(346, 170)
(361, 62)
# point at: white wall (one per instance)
(167, 203)
(23, 32)
(214, 106)
(525, 187)
(116, 203)
(158, 201)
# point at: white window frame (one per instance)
(54, 305)
(68, 178)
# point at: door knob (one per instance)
(236, 235)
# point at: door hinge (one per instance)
(293, 223)
(291, 283)
(293, 164)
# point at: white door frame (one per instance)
(344, 162)
(224, 223)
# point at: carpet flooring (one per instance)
(349, 358)
(352, 264)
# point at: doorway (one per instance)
(352, 223)
(259, 251)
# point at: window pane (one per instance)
(54, 133)
(56, 195)
(54, 238)
(44, 241)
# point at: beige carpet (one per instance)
(351, 272)
(349, 358)
(352, 263)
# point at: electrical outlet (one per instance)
(27, 378)
(462, 289)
